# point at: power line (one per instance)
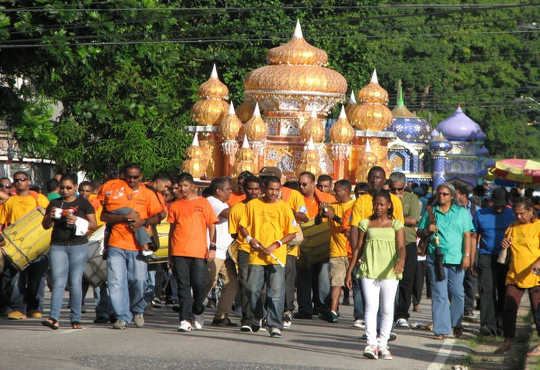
(249, 9)
(200, 40)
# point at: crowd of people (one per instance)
(241, 242)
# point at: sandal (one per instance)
(51, 323)
(534, 352)
(439, 337)
(76, 325)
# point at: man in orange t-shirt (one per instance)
(126, 265)
(191, 217)
(314, 277)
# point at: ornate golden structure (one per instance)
(284, 115)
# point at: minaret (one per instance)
(341, 135)
(256, 131)
(228, 129)
(194, 164)
(439, 147)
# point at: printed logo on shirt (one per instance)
(302, 209)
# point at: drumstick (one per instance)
(277, 260)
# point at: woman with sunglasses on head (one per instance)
(69, 249)
(522, 239)
(449, 228)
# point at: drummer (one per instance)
(23, 283)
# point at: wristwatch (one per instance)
(212, 247)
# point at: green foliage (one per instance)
(34, 129)
(127, 102)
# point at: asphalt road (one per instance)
(308, 344)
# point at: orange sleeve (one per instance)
(346, 221)
(211, 217)
(171, 215)
(154, 205)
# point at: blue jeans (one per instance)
(67, 261)
(358, 297)
(274, 277)
(324, 288)
(126, 279)
(150, 292)
(446, 315)
(103, 306)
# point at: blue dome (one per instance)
(460, 127)
(407, 126)
(440, 144)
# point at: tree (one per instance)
(128, 78)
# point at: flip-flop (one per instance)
(439, 337)
(76, 325)
(51, 323)
(534, 352)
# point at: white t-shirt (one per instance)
(223, 238)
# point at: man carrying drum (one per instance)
(23, 286)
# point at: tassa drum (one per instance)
(26, 239)
(316, 245)
(162, 254)
(96, 267)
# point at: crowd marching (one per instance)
(246, 239)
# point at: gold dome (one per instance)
(213, 88)
(296, 78)
(245, 159)
(297, 51)
(341, 131)
(350, 105)
(209, 112)
(230, 125)
(296, 66)
(373, 92)
(313, 128)
(371, 116)
(194, 151)
(245, 110)
(193, 167)
(255, 128)
(366, 161)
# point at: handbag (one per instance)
(423, 243)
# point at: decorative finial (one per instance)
(342, 114)
(367, 149)
(245, 144)
(400, 94)
(313, 114)
(256, 111)
(195, 141)
(310, 145)
(352, 99)
(231, 109)
(298, 31)
(214, 72)
(374, 78)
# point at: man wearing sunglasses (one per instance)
(411, 213)
(23, 286)
(126, 266)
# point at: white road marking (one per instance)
(442, 355)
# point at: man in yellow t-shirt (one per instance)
(268, 225)
(25, 284)
(252, 190)
(363, 207)
(296, 201)
(338, 215)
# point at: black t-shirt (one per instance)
(63, 233)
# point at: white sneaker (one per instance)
(371, 352)
(402, 323)
(198, 321)
(275, 333)
(262, 324)
(287, 324)
(184, 326)
(385, 354)
(360, 324)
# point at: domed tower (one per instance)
(370, 117)
(208, 114)
(439, 147)
(292, 85)
(341, 136)
(410, 152)
(468, 157)
(194, 162)
(228, 129)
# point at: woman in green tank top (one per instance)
(380, 251)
